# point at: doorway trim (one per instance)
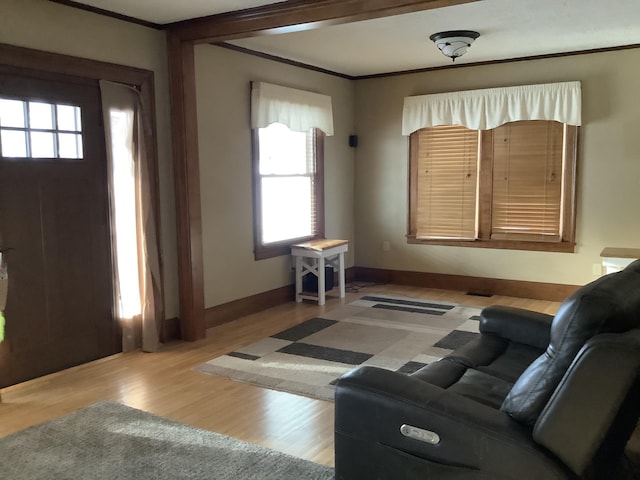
(181, 39)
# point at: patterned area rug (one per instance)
(396, 333)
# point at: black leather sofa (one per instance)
(533, 397)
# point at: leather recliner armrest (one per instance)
(372, 404)
(517, 324)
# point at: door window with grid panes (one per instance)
(32, 129)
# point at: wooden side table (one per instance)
(616, 259)
(318, 252)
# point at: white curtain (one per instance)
(297, 109)
(137, 285)
(490, 108)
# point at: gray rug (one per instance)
(396, 333)
(111, 441)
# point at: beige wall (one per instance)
(223, 81)
(51, 27)
(608, 168)
(366, 198)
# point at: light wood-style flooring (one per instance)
(165, 384)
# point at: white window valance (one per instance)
(492, 107)
(297, 109)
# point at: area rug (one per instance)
(111, 441)
(395, 333)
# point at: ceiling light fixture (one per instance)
(454, 43)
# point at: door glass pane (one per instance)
(11, 113)
(79, 145)
(14, 143)
(68, 145)
(68, 118)
(42, 145)
(40, 115)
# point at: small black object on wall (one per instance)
(353, 141)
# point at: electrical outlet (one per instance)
(386, 246)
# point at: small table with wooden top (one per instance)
(318, 252)
(615, 259)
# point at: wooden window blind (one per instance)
(447, 183)
(527, 181)
(510, 187)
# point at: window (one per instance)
(288, 188)
(289, 126)
(38, 130)
(509, 187)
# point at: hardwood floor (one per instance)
(165, 384)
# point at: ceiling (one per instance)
(508, 29)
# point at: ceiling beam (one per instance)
(295, 15)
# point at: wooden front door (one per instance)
(54, 219)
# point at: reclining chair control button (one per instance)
(420, 434)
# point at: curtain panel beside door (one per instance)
(138, 301)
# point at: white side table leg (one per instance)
(341, 274)
(321, 281)
(298, 279)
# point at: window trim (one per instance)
(276, 249)
(567, 243)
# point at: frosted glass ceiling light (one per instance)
(454, 43)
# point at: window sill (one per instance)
(262, 252)
(562, 247)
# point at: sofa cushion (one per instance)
(469, 382)
(512, 363)
(484, 369)
(496, 356)
(442, 373)
(482, 387)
